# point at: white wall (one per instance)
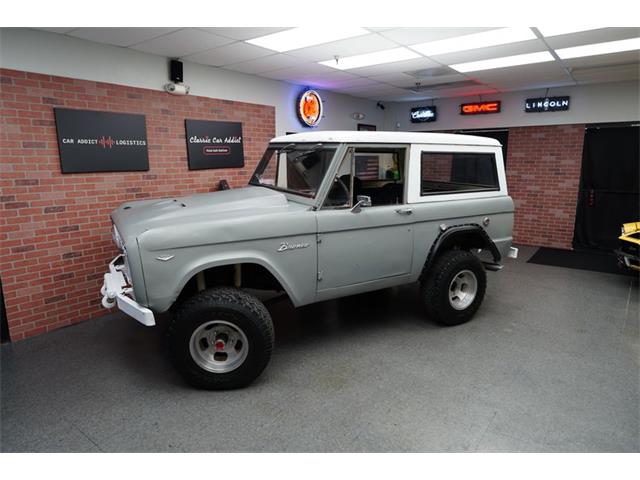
(44, 52)
(54, 54)
(608, 102)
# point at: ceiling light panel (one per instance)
(302, 37)
(555, 31)
(599, 48)
(500, 36)
(511, 61)
(368, 59)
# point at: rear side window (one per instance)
(451, 172)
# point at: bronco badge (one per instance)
(291, 246)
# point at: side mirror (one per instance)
(362, 201)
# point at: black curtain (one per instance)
(4, 326)
(609, 186)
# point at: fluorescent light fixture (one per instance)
(368, 59)
(511, 61)
(490, 38)
(554, 31)
(302, 37)
(599, 48)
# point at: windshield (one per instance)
(295, 168)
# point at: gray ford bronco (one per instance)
(325, 215)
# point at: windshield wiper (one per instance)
(315, 148)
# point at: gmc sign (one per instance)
(480, 108)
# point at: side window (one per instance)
(340, 194)
(379, 174)
(452, 172)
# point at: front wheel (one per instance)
(221, 339)
(454, 287)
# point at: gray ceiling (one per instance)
(225, 48)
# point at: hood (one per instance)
(134, 218)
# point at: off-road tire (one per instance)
(434, 290)
(231, 305)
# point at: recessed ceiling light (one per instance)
(599, 48)
(553, 31)
(511, 61)
(302, 37)
(368, 59)
(499, 36)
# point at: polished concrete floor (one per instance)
(550, 363)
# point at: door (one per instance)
(369, 243)
(608, 195)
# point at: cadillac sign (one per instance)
(546, 104)
(424, 114)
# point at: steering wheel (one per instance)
(344, 187)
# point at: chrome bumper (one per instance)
(116, 290)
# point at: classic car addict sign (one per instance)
(424, 114)
(214, 144)
(546, 104)
(91, 141)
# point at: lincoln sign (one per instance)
(546, 104)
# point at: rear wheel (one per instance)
(454, 287)
(221, 339)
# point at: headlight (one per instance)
(117, 239)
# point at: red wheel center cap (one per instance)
(219, 345)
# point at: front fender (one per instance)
(166, 279)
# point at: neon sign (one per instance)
(546, 104)
(424, 114)
(310, 108)
(480, 108)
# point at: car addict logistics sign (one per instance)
(90, 141)
(546, 104)
(479, 108)
(214, 144)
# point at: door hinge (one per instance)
(318, 238)
(319, 275)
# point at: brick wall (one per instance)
(55, 229)
(436, 167)
(543, 176)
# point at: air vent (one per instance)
(606, 72)
(440, 86)
(431, 72)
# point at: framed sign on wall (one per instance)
(212, 144)
(480, 108)
(424, 114)
(90, 141)
(546, 104)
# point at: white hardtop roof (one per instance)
(347, 136)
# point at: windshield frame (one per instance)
(294, 194)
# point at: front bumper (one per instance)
(628, 260)
(116, 290)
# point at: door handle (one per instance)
(404, 211)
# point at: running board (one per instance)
(492, 267)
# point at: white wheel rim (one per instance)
(463, 289)
(218, 346)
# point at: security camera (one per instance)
(177, 88)
(380, 106)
